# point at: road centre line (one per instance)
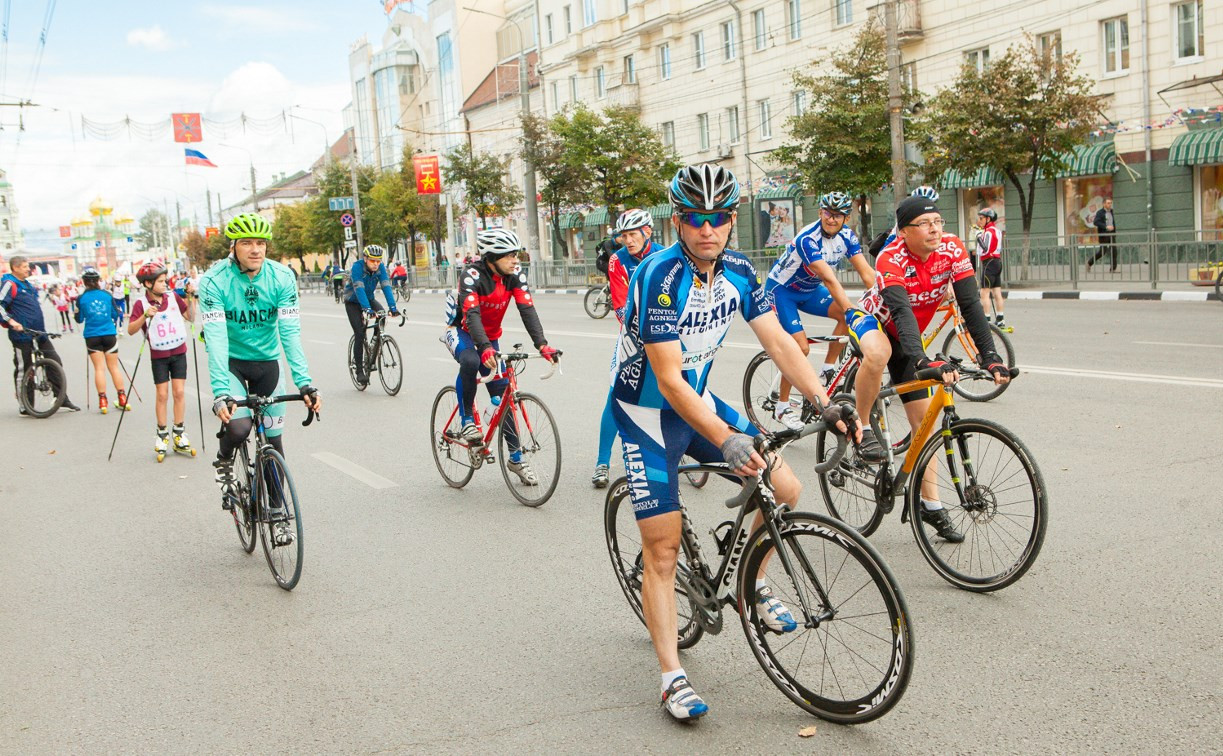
(352, 469)
(1172, 380)
(1180, 344)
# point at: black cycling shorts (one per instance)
(991, 276)
(102, 343)
(165, 368)
(901, 369)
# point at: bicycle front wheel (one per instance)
(624, 548)
(42, 388)
(761, 393)
(280, 522)
(390, 366)
(534, 477)
(450, 451)
(597, 302)
(962, 346)
(353, 374)
(848, 489)
(1000, 509)
(240, 500)
(850, 660)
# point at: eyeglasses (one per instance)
(832, 214)
(716, 219)
(926, 225)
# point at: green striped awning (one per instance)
(661, 212)
(571, 220)
(596, 218)
(1202, 147)
(789, 191)
(981, 177)
(1091, 160)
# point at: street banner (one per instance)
(65, 232)
(211, 231)
(428, 179)
(187, 127)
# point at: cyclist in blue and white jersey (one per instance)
(804, 279)
(681, 303)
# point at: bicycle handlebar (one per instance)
(507, 357)
(772, 442)
(262, 402)
(936, 374)
(34, 332)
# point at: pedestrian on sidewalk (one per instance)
(20, 311)
(59, 300)
(162, 314)
(1106, 230)
(989, 249)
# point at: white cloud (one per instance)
(153, 38)
(261, 20)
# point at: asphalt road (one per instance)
(441, 620)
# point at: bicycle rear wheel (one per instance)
(695, 479)
(450, 451)
(42, 388)
(240, 500)
(1002, 514)
(539, 445)
(848, 489)
(390, 366)
(851, 661)
(279, 513)
(597, 302)
(624, 548)
(761, 391)
(979, 389)
(353, 374)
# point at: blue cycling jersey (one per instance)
(362, 283)
(809, 247)
(669, 301)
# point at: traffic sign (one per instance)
(340, 203)
(348, 232)
(350, 244)
(347, 220)
(97, 244)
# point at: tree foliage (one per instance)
(483, 178)
(203, 251)
(291, 233)
(562, 182)
(1022, 116)
(842, 142)
(154, 230)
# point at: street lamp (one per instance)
(528, 180)
(326, 139)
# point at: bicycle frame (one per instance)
(509, 372)
(951, 313)
(259, 405)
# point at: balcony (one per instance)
(908, 19)
(623, 96)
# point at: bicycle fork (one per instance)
(774, 522)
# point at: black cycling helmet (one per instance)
(988, 213)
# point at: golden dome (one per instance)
(82, 221)
(124, 218)
(99, 207)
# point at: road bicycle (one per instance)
(959, 343)
(985, 477)
(264, 497)
(43, 387)
(850, 658)
(522, 422)
(403, 291)
(598, 301)
(381, 356)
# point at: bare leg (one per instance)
(163, 393)
(660, 536)
(116, 375)
(99, 367)
(876, 351)
(800, 338)
(179, 386)
(834, 349)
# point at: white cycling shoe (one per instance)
(789, 416)
(682, 702)
(773, 613)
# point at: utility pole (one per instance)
(208, 195)
(254, 199)
(528, 181)
(356, 202)
(900, 179)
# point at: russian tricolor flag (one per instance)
(195, 157)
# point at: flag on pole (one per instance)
(195, 157)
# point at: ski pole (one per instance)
(199, 398)
(131, 377)
(88, 393)
(123, 411)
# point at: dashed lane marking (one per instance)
(352, 469)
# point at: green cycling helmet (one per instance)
(248, 226)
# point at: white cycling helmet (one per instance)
(633, 219)
(925, 192)
(497, 242)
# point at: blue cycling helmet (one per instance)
(925, 192)
(704, 188)
(836, 201)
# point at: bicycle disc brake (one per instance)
(885, 490)
(702, 600)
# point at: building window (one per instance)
(1190, 39)
(766, 119)
(698, 49)
(573, 89)
(728, 40)
(1081, 198)
(844, 11)
(1116, 46)
(600, 83)
(732, 124)
(556, 95)
(759, 29)
(978, 59)
(702, 128)
(1051, 45)
(799, 101)
(794, 17)
(548, 28)
(624, 7)
(1211, 199)
(589, 17)
(664, 60)
(908, 77)
(979, 198)
(668, 135)
(630, 70)
(568, 21)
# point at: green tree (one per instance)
(154, 230)
(202, 251)
(1022, 116)
(483, 178)
(290, 233)
(842, 142)
(622, 159)
(324, 231)
(562, 183)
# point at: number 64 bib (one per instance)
(167, 331)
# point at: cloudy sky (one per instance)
(138, 59)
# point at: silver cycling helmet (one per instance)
(633, 219)
(497, 242)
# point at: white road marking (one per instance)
(1172, 380)
(368, 477)
(1021, 294)
(320, 341)
(441, 359)
(1180, 344)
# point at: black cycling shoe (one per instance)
(68, 405)
(941, 521)
(870, 450)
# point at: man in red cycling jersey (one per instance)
(485, 290)
(912, 277)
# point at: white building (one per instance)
(10, 228)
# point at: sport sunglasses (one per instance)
(715, 219)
